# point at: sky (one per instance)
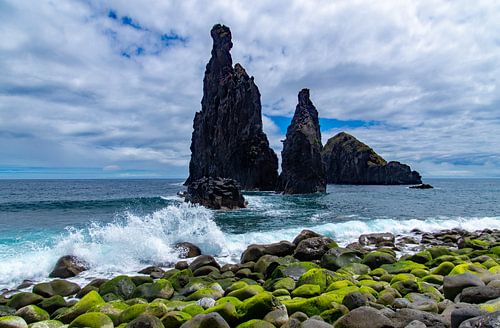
(109, 89)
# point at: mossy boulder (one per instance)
(334, 313)
(256, 323)
(21, 299)
(213, 291)
(443, 269)
(180, 278)
(174, 319)
(491, 306)
(402, 267)
(56, 287)
(161, 288)
(320, 277)
(196, 283)
(193, 309)
(433, 279)
(246, 292)
(53, 303)
(376, 285)
(84, 305)
(12, 321)
(32, 313)
(306, 290)
(293, 270)
(144, 321)
(377, 258)
(403, 277)
(112, 309)
(468, 267)
(283, 283)
(336, 258)
(257, 306)
(437, 251)
(475, 244)
(406, 286)
(46, 324)
(121, 286)
(421, 257)
(92, 320)
(156, 309)
(227, 310)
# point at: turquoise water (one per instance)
(119, 226)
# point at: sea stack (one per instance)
(228, 140)
(302, 168)
(349, 161)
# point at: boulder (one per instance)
(161, 288)
(422, 186)
(354, 300)
(68, 266)
(203, 260)
(363, 317)
(461, 314)
(56, 287)
(302, 169)
(11, 321)
(349, 161)
(313, 248)
(187, 249)
(338, 257)
(92, 320)
(255, 251)
(216, 193)
(145, 321)
(305, 234)
(210, 320)
(491, 320)
(378, 239)
(121, 286)
(32, 313)
(228, 140)
(476, 295)
(404, 317)
(453, 285)
(21, 299)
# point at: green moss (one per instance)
(175, 319)
(421, 257)
(495, 250)
(21, 299)
(443, 269)
(12, 321)
(491, 306)
(306, 290)
(334, 313)
(46, 324)
(293, 270)
(357, 268)
(489, 264)
(235, 286)
(368, 290)
(229, 299)
(402, 267)
(227, 310)
(403, 277)
(156, 309)
(32, 313)
(376, 259)
(321, 277)
(257, 306)
(52, 303)
(112, 309)
(246, 292)
(193, 309)
(429, 290)
(468, 267)
(92, 320)
(406, 287)
(121, 286)
(162, 288)
(476, 244)
(281, 292)
(433, 279)
(284, 283)
(255, 323)
(83, 305)
(376, 285)
(437, 251)
(495, 269)
(419, 273)
(214, 291)
(378, 272)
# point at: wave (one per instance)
(86, 204)
(135, 241)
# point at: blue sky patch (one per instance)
(325, 123)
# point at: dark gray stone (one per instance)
(363, 317)
(460, 315)
(68, 266)
(210, 320)
(453, 285)
(216, 193)
(312, 248)
(477, 295)
(491, 320)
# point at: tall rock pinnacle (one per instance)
(302, 168)
(228, 140)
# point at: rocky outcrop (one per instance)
(215, 193)
(349, 161)
(68, 266)
(228, 140)
(303, 171)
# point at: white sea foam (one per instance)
(137, 241)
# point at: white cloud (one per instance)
(428, 70)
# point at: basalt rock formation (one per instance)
(303, 171)
(228, 140)
(349, 161)
(215, 193)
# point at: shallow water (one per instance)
(120, 226)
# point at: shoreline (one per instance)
(311, 276)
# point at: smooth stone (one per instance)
(416, 324)
(145, 321)
(203, 260)
(68, 266)
(358, 318)
(460, 315)
(453, 285)
(491, 320)
(476, 295)
(210, 320)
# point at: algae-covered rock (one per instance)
(313, 248)
(145, 321)
(52, 303)
(376, 259)
(337, 257)
(112, 309)
(228, 310)
(174, 319)
(306, 290)
(246, 292)
(21, 299)
(85, 304)
(402, 267)
(209, 320)
(283, 283)
(453, 285)
(256, 323)
(334, 313)
(56, 287)
(293, 270)
(46, 324)
(320, 277)
(277, 317)
(11, 321)
(257, 306)
(92, 320)
(443, 269)
(155, 309)
(361, 316)
(161, 288)
(193, 309)
(121, 286)
(32, 313)
(468, 267)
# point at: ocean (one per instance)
(121, 226)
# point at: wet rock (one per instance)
(460, 315)
(303, 171)
(478, 295)
(12, 322)
(187, 249)
(354, 300)
(313, 248)
(422, 186)
(56, 287)
(210, 320)
(349, 161)
(254, 251)
(68, 266)
(32, 313)
(228, 140)
(453, 285)
(338, 257)
(22, 299)
(404, 317)
(360, 317)
(216, 193)
(305, 234)
(491, 320)
(203, 260)
(378, 239)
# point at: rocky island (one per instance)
(349, 161)
(303, 171)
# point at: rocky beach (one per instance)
(444, 279)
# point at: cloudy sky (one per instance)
(109, 88)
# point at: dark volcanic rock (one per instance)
(422, 186)
(303, 171)
(216, 193)
(349, 161)
(67, 266)
(188, 249)
(228, 140)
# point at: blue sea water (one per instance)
(120, 226)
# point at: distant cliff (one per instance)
(302, 168)
(228, 140)
(349, 161)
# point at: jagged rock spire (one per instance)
(302, 167)
(228, 140)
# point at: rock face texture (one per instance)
(303, 171)
(215, 193)
(349, 161)
(228, 140)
